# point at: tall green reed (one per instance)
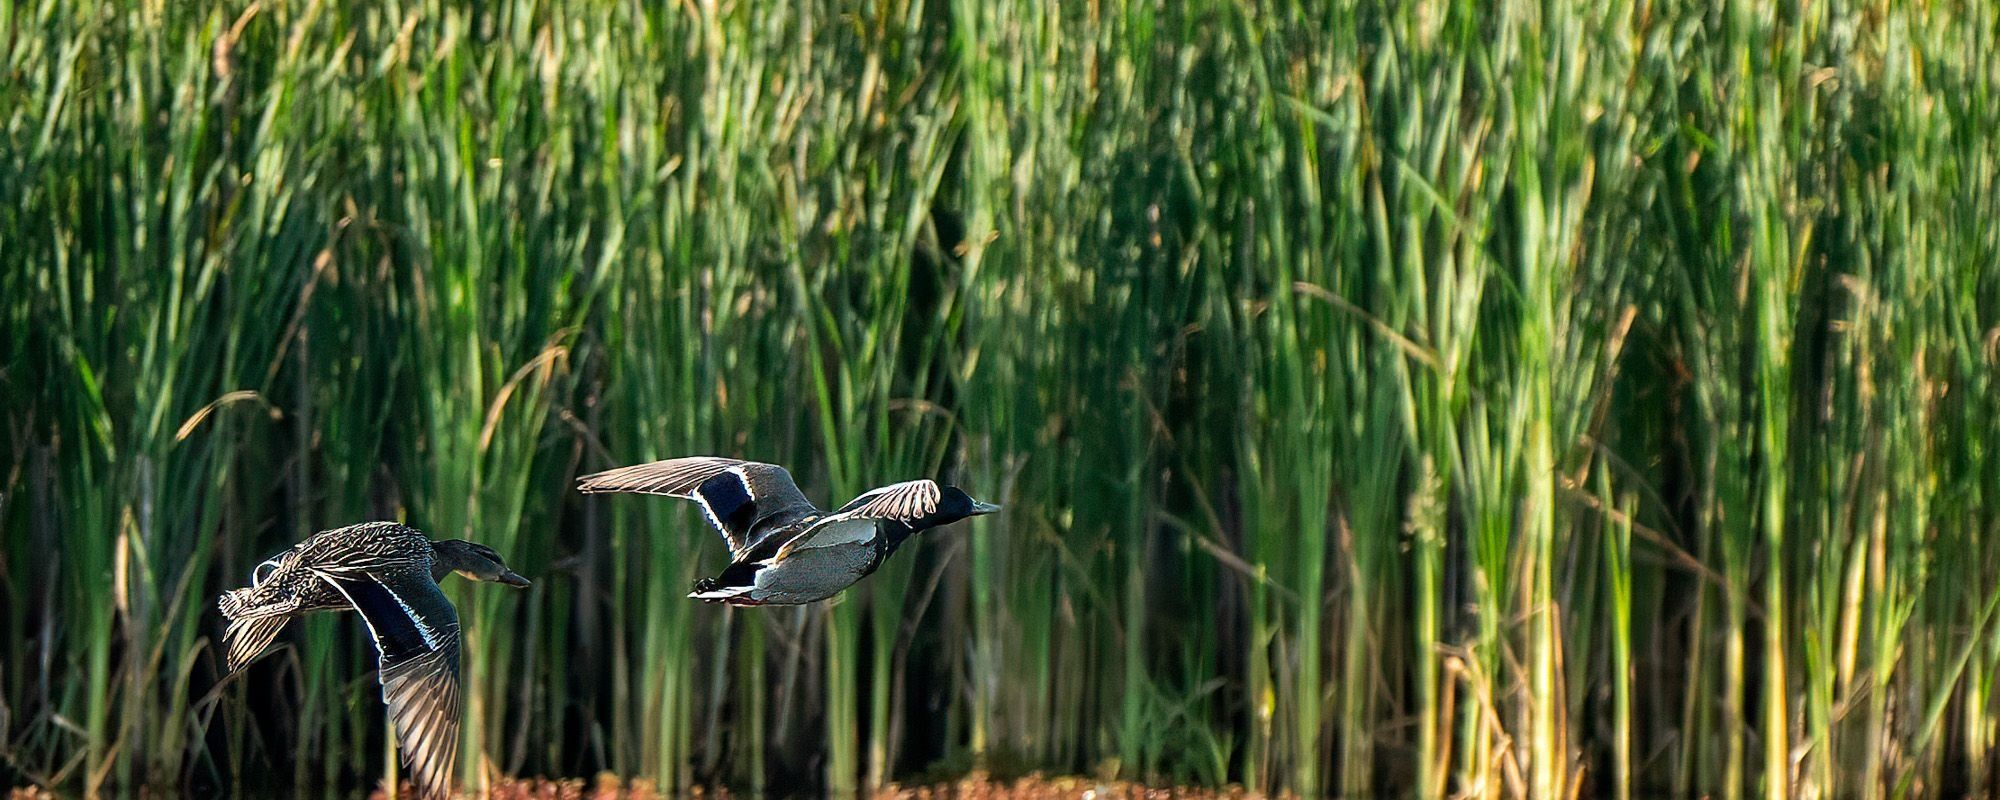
(1509, 400)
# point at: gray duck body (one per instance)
(846, 551)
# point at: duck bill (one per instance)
(511, 578)
(983, 508)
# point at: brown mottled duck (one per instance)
(389, 572)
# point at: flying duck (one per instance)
(783, 549)
(388, 572)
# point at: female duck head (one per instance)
(475, 561)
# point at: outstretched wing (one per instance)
(744, 500)
(416, 632)
(908, 501)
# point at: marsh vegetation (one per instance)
(1500, 398)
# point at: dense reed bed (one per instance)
(1501, 399)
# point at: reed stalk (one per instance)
(1440, 398)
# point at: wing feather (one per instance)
(902, 502)
(415, 630)
(246, 638)
(742, 500)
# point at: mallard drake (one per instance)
(388, 572)
(783, 549)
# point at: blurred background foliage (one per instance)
(1505, 399)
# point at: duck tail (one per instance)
(252, 625)
(234, 603)
(248, 637)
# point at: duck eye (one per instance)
(263, 571)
